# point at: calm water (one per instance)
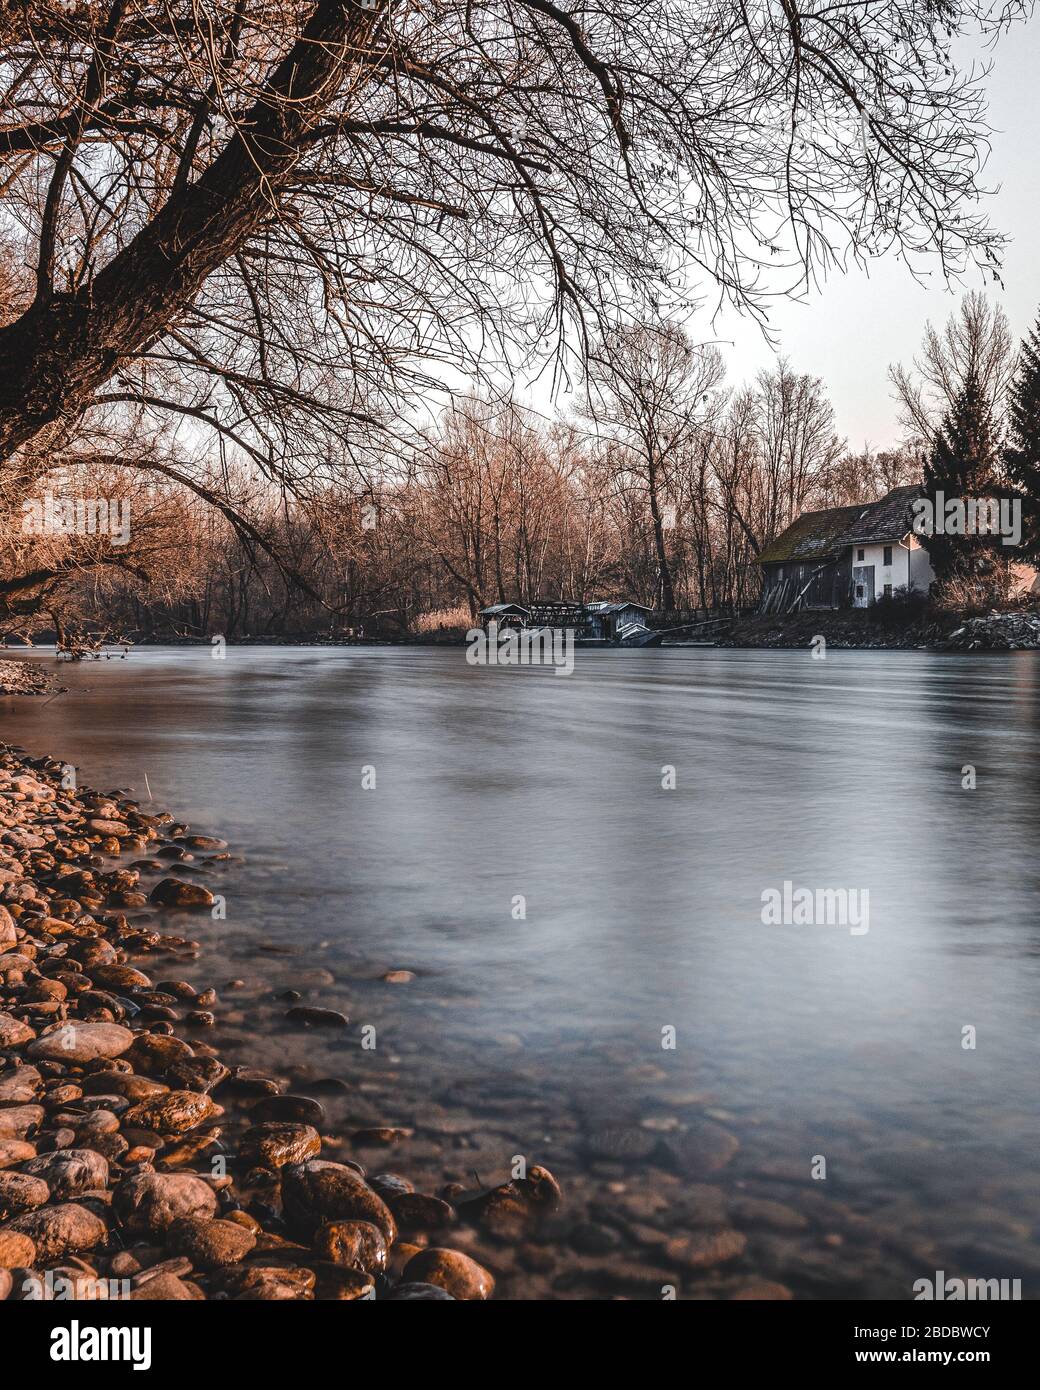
(542, 1036)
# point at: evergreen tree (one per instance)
(1022, 456)
(964, 464)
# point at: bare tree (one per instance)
(274, 220)
(649, 393)
(977, 346)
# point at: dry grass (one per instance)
(455, 619)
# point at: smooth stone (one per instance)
(69, 1172)
(317, 1018)
(210, 1244)
(148, 1203)
(357, 1244)
(156, 1052)
(13, 1032)
(60, 1230)
(20, 1086)
(703, 1249)
(176, 1112)
(273, 1145)
(18, 1120)
(17, 1251)
(419, 1293)
(262, 1283)
(414, 1211)
(703, 1149)
(319, 1191)
(762, 1292)
(14, 1151)
(21, 1192)
(81, 1042)
(197, 1073)
(119, 977)
(173, 892)
(300, 1109)
(452, 1271)
(166, 1288)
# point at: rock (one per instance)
(703, 1249)
(21, 1192)
(167, 1288)
(81, 1042)
(154, 1053)
(398, 977)
(419, 1293)
(59, 1230)
(13, 1032)
(196, 1073)
(300, 1109)
(317, 1018)
(70, 1172)
(20, 1086)
(452, 1271)
(588, 1238)
(357, 1244)
(108, 827)
(119, 977)
(14, 1151)
(319, 1191)
(176, 1112)
(8, 935)
(210, 1244)
(6, 1284)
(17, 1251)
(148, 1203)
(413, 1211)
(173, 892)
(18, 1120)
(273, 1145)
(343, 1283)
(263, 1283)
(702, 1149)
(762, 1292)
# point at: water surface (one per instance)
(535, 1028)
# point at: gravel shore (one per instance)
(136, 1164)
(25, 678)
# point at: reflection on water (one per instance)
(542, 1035)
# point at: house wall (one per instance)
(920, 572)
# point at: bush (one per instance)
(902, 607)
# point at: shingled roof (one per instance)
(887, 520)
(823, 535)
(814, 536)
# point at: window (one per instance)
(859, 590)
(886, 559)
(779, 571)
(860, 554)
(888, 591)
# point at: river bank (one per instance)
(865, 630)
(137, 1164)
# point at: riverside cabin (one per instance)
(846, 557)
(601, 621)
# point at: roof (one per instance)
(606, 606)
(887, 520)
(814, 536)
(823, 535)
(504, 608)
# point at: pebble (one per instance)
(451, 1271)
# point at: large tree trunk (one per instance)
(64, 347)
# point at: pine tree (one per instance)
(1022, 456)
(964, 464)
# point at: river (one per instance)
(595, 988)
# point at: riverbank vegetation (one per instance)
(264, 272)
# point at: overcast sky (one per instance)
(853, 327)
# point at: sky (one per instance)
(857, 324)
